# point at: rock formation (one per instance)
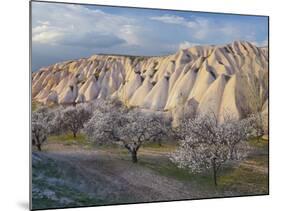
(201, 78)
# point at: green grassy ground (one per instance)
(68, 140)
(252, 175)
(248, 178)
(34, 106)
(168, 169)
(229, 177)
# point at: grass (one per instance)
(168, 169)
(34, 105)
(149, 147)
(241, 180)
(65, 196)
(51, 190)
(261, 144)
(246, 179)
(68, 139)
(251, 176)
(166, 146)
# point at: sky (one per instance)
(67, 31)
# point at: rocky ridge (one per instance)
(198, 79)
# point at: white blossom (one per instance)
(39, 134)
(206, 144)
(74, 117)
(40, 126)
(129, 128)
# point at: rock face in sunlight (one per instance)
(208, 76)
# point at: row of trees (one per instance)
(103, 122)
(128, 128)
(56, 121)
(205, 144)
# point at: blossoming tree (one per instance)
(207, 144)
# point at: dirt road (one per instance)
(77, 176)
(110, 178)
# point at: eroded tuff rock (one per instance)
(199, 79)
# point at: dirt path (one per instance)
(254, 167)
(107, 176)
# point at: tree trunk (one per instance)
(39, 147)
(159, 143)
(260, 128)
(259, 138)
(74, 134)
(134, 156)
(215, 173)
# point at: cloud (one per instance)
(93, 40)
(171, 19)
(44, 22)
(131, 33)
(262, 43)
(187, 44)
(59, 24)
(47, 37)
(174, 19)
(65, 31)
(213, 28)
(44, 33)
(199, 26)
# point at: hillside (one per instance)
(198, 79)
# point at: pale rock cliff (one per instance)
(198, 80)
